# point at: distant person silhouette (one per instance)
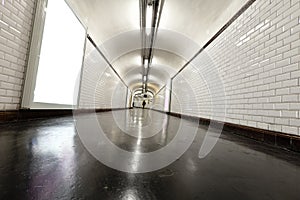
(144, 103)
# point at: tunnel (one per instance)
(149, 99)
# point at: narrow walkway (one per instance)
(46, 160)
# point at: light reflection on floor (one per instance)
(46, 160)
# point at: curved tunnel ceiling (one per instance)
(185, 27)
(164, 66)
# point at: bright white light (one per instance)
(61, 56)
(146, 64)
(107, 74)
(149, 11)
(144, 78)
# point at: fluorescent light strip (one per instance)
(146, 63)
(149, 13)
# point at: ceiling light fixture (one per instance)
(146, 63)
(149, 13)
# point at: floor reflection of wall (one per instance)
(54, 167)
(137, 129)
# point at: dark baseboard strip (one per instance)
(87, 111)
(23, 115)
(283, 140)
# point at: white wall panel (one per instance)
(60, 57)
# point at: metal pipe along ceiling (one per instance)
(154, 7)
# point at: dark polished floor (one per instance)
(45, 159)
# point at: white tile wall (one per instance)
(100, 86)
(257, 59)
(129, 97)
(159, 100)
(16, 19)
